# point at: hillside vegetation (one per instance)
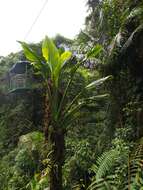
(79, 124)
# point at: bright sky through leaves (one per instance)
(59, 16)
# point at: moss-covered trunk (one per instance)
(57, 148)
(46, 118)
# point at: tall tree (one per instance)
(60, 112)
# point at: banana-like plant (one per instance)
(60, 111)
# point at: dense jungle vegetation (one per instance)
(78, 125)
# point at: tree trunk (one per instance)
(57, 148)
(47, 117)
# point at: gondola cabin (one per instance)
(18, 76)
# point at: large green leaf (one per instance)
(29, 53)
(89, 86)
(36, 60)
(50, 53)
(64, 57)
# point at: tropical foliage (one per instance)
(75, 128)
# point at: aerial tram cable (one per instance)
(36, 19)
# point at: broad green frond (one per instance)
(54, 59)
(50, 53)
(29, 53)
(61, 62)
(64, 57)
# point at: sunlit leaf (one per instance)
(45, 48)
(50, 53)
(60, 63)
(65, 56)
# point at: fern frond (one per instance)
(136, 166)
(103, 183)
(117, 169)
(106, 162)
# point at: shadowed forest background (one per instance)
(103, 141)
